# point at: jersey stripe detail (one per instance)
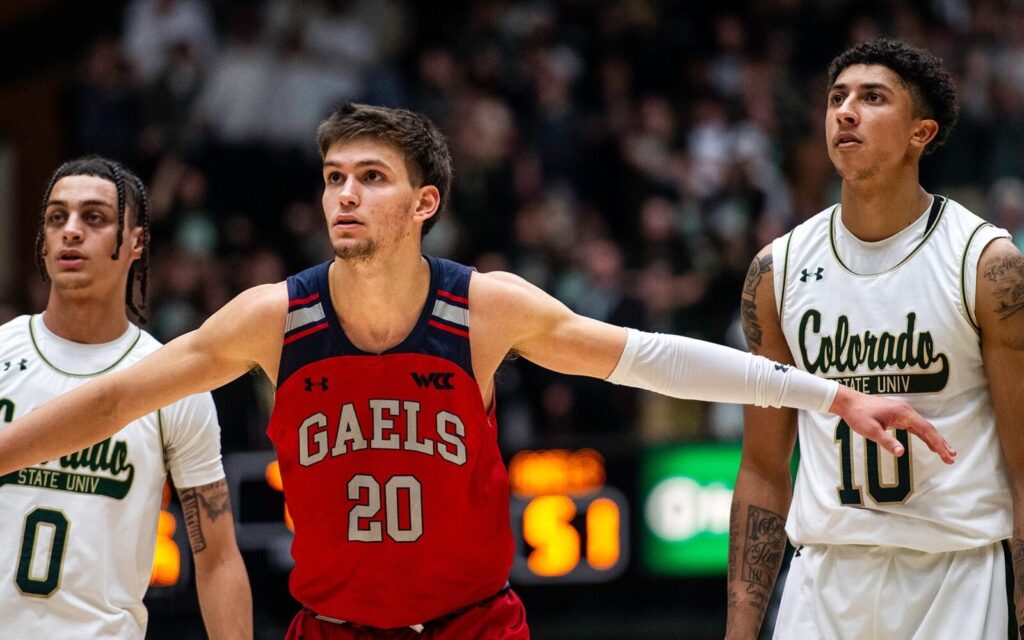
(451, 313)
(449, 329)
(302, 334)
(310, 312)
(301, 317)
(785, 277)
(452, 297)
(1012, 631)
(298, 302)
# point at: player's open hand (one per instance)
(873, 416)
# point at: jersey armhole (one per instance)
(969, 268)
(780, 285)
(163, 442)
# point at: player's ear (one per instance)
(428, 199)
(924, 133)
(136, 241)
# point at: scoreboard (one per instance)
(569, 525)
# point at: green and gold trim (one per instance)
(933, 224)
(785, 275)
(963, 281)
(42, 356)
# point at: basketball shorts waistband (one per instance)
(418, 628)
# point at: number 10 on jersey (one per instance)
(892, 492)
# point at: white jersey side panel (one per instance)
(908, 332)
(78, 533)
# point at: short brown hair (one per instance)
(427, 158)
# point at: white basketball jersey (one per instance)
(77, 534)
(908, 332)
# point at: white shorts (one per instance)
(855, 592)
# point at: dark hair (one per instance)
(131, 194)
(921, 72)
(427, 158)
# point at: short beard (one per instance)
(69, 283)
(362, 252)
(863, 174)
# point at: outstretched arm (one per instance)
(1000, 311)
(221, 580)
(521, 317)
(244, 333)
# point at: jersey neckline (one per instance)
(42, 356)
(323, 282)
(935, 213)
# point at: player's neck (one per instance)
(875, 210)
(86, 321)
(378, 303)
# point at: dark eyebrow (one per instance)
(868, 86)
(85, 203)
(370, 162)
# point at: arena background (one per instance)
(629, 157)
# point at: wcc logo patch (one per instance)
(804, 274)
(438, 380)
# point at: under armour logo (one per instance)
(782, 367)
(22, 365)
(440, 381)
(322, 384)
(817, 274)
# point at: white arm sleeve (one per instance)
(687, 368)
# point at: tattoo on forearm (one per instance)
(1007, 274)
(733, 598)
(748, 302)
(190, 507)
(214, 500)
(763, 548)
(734, 539)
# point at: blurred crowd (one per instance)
(628, 156)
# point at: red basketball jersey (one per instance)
(390, 462)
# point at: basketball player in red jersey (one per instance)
(384, 361)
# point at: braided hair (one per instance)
(131, 194)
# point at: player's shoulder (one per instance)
(249, 328)
(505, 303)
(259, 308)
(501, 289)
(960, 217)
(266, 297)
(954, 208)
